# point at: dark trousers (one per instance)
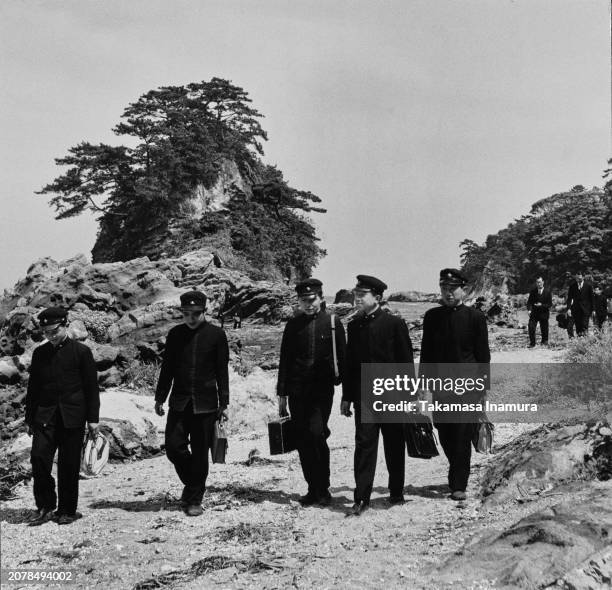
(189, 437)
(581, 320)
(533, 322)
(366, 454)
(69, 443)
(600, 320)
(310, 412)
(456, 441)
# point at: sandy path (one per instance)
(132, 529)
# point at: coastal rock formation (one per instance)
(114, 306)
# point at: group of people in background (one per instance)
(583, 302)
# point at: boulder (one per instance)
(541, 549)
(77, 330)
(105, 355)
(133, 429)
(110, 378)
(9, 373)
(541, 459)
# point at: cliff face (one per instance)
(171, 234)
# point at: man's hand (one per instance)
(569, 313)
(282, 406)
(93, 429)
(159, 409)
(222, 413)
(345, 409)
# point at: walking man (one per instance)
(374, 337)
(455, 333)
(311, 363)
(600, 308)
(62, 396)
(539, 304)
(580, 303)
(195, 372)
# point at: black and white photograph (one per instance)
(310, 294)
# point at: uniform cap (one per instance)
(193, 300)
(452, 276)
(367, 283)
(52, 316)
(309, 287)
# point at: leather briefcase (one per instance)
(419, 436)
(281, 434)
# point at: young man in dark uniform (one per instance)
(455, 333)
(374, 336)
(62, 396)
(539, 304)
(600, 307)
(195, 366)
(580, 303)
(306, 379)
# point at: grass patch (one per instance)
(142, 377)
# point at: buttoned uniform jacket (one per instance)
(580, 300)
(64, 380)
(455, 337)
(379, 337)
(306, 353)
(195, 368)
(545, 299)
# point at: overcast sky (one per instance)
(419, 123)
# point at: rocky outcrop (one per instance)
(117, 305)
(537, 461)
(566, 545)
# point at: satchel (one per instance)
(419, 436)
(95, 455)
(219, 444)
(482, 438)
(281, 435)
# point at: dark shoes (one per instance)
(325, 499)
(397, 499)
(320, 499)
(194, 510)
(358, 508)
(458, 496)
(67, 518)
(42, 515)
(309, 499)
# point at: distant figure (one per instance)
(237, 319)
(539, 304)
(600, 308)
(580, 303)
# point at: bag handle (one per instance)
(333, 330)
